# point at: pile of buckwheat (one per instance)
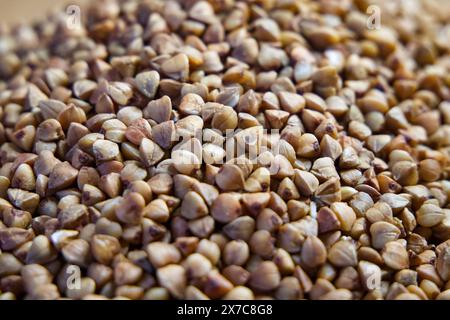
(227, 149)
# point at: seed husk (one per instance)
(159, 110)
(24, 137)
(328, 192)
(271, 58)
(126, 273)
(104, 248)
(313, 252)
(131, 209)
(41, 251)
(383, 232)
(173, 278)
(34, 276)
(395, 255)
(9, 265)
(193, 206)
(161, 254)
(216, 285)
(225, 118)
(405, 173)
(15, 218)
(230, 178)
(443, 263)
(266, 277)
(240, 228)
(76, 251)
(255, 202)
(71, 114)
(105, 150)
(62, 176)
(429, 215)
(343, 254)
(185, 162)
(291, 102)
(429, 170)
(24, 178)
(24, 200)
(306, 182)
(73, 215)
(197, 265)
(150, 152)
(49, 130)
(345, 215)
(239, 293)
(138, 130)
(268, 220)
(176, 67)
(202, 227)
(147, 82)
(226, 207)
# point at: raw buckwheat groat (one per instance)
(227, 149)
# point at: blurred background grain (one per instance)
(18, 11)
(25, 11)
